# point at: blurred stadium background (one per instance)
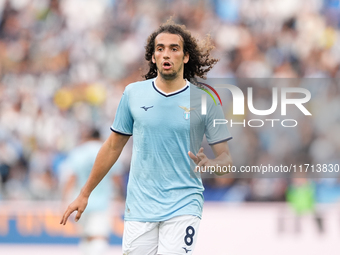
(64, 65)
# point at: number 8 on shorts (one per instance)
(190, 232)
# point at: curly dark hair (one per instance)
(199, 63)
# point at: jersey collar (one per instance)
(172, 93)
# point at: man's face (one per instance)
(169, 56)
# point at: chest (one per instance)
(154, 112)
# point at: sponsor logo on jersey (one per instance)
(146, 108)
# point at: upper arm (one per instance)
(117, 141)
(110, 151)
(216, 134)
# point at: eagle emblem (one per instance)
(186, 113)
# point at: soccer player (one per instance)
(164, 194)
(95, 224)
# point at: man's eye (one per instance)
(159, 49)
(174, 49)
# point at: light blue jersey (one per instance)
(80, 162)
(160, 185)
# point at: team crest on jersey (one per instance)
(186, 113)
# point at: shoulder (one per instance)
(195, 90)
(196, 93)
(138, 86)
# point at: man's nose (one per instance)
(166, 54)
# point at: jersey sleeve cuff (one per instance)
(120, 132)
(221, 141)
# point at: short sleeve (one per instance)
(123, 122)
(220, 132)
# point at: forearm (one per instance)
(107, 156)
(222, 158)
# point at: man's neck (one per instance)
(169, 86)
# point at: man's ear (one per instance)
(153, 59)
(186, 58)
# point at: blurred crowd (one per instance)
(64, 65)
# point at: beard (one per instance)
(169, 76)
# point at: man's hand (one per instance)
(222, 157)
(200, 158)
(79, 204)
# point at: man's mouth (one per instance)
(166, 65)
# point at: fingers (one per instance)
(201, 150)
(203, 158)
(193, 157)
(78, 205)
(200, 154)
(200, 158)
(65, 216)
(203, 162)
(68, 213)
(79, 213)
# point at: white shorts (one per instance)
(177, 235)
(95, 224)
